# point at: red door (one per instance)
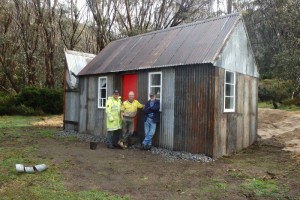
(130, 84)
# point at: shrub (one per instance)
(50, 101)
(7, 103)
(32, 101)
(274, 90)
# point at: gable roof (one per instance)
(195, 43)
(76, 61)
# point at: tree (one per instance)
(46, 13)
(29, 36)
(273, 28)
(104, 14)
(11, 72)
(71, 23)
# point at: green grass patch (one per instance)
(262, 187)
(16, 135)
(17, 121)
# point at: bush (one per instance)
(32, 101)
(274, 90)
(50, 101)
(7, 103)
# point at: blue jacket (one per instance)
(154, 109)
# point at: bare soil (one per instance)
(280, 128)
(142, 175)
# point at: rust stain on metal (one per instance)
(195, 43)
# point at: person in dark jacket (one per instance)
(152, 117)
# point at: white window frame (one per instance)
(234, 93)
(100, 100)
(160, 86)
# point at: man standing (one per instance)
(113, 120)
(152, 117)
(128, 112)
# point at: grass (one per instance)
(265, 188)
(18, 137)
(268, 104)
(14, 132)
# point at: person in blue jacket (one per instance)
(152, 118)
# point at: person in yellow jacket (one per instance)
(128, 112)
(113, 119)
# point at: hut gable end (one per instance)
(237, 54)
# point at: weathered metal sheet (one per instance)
(164, 40)
(209, 34)
(237, 55)
(174, 49)
(195, 43)
(91, 104)
(235, 130)
(71, 111)
(194, 110)
(239, 110)
(166, 136)
(142, 98)
(132, 60)
(76, 61)
(83, 94)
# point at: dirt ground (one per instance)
(142, 175)
(280, 128)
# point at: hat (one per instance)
(151, 94)
(116, 92)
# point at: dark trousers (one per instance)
(127, 128)
(112, 138)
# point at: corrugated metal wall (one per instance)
(165, 130)
(92, 120)
(71, 110)
(194, 109)
(237, 130)
(166, 135)
(192, 117)
(83, 85)
(142, 97)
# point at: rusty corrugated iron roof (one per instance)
(194, 43)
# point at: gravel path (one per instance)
(171, 155)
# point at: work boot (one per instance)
(109, 146)
(148, 147)
(120, 143)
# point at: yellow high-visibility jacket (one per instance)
(130, 109)
(113, 113)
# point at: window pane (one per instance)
(103, 93)
(155, 79)
(229, 90)
(156, 91)
(102, 82)
(229, 77)
(103, 102)
(229, 102)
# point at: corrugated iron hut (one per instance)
(76, 61)
(204, 74)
